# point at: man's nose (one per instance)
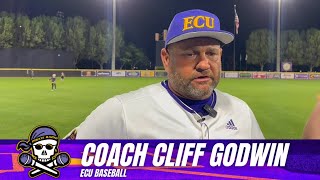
(203, 63)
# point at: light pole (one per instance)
(113, 61)
(278, 36)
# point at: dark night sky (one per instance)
(140, 19)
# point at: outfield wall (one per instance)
(35, 58)
(24, 72)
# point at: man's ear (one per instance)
(221, 51)
(165, 58)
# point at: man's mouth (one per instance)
(202, 79)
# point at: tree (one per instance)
(128, 55)
(22, 31)
(141, 60)
(54, 33)
(99, 47)
(91, 49)
(296, 47)
(119, 41)
(75, 36)
(104, 42)
(37, 33)
(6, 30)
(289, 44)
(133, 57)
(312, 51)
(260, 47)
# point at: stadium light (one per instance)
(113, 61)
(278, 36)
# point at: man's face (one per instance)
(193, 67)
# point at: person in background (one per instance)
(62, 76)
(53, 82)
(32, 74)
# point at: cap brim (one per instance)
(223, 36)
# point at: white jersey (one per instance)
(152, 113)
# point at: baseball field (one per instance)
(281, 106)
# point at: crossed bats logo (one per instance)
(41, 152)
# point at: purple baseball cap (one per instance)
(196, 23)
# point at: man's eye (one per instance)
(212, 53)
(190, 54)
(187, 54)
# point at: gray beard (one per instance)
(185, 88)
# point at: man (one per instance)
(311, 131)
(32, 74)
(187, 105)
(53, 82)
(62, 76)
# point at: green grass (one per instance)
(281, 106)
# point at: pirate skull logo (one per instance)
(45, 149)
(42, 153)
